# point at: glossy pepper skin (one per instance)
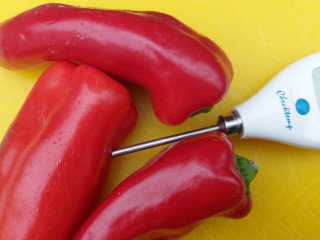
(56, 154)
(189, 181)
(183, 71)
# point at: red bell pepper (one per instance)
(183, 71)
(189, 181)
(56, 154)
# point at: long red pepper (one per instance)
(56, 154)
(189, 181)
(183, 71)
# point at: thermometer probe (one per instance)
(286, 110)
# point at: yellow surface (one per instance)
(260, 37)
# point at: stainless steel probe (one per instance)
(229, 124)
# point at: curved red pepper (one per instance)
(52, 160)
(189, 181)
(183, 71)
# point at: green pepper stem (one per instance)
(205, 110)
(248, 170)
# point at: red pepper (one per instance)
(189, 181)
(183, 71)
(52, 160)
(126, 126)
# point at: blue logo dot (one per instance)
(302, 106)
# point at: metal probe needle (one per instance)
(228, 124)
(163, 141)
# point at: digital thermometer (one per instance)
(286, 110)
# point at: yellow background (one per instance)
(260, 37)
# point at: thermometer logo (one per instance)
(286, 109)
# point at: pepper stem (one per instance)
(248, 170)
(205, 110)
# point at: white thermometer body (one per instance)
(287, 109)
